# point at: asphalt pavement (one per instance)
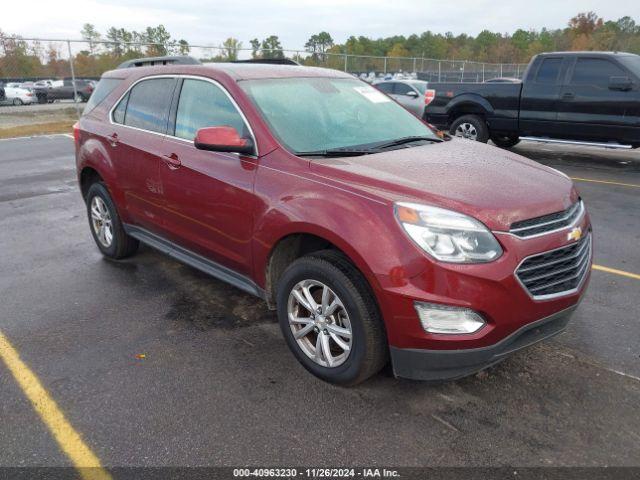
(155, 364)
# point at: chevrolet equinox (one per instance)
(374, 238)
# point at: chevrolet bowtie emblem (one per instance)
(575, 234)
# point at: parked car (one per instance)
(82, 92)
(411, 94)
(18, 96)
(567, 97)
(372, 237)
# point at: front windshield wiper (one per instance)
(370, 148)
(404, 140)
(337, 152)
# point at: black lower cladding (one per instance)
(417, 364)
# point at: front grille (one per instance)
(556, 272)
(547, 223)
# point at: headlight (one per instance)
(448, 236)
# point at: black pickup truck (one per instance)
(565, 97)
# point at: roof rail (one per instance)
(151, 61)
(269, 61)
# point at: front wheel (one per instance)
(17, 102)
(330, 319)
(505, 141)
(471, 127)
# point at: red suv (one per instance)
(373, 237)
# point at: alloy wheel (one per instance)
(319, 323)
(466, 130)
(101, 222)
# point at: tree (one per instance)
(230, 48)
(319, 43)
(398, 50)
(183, 47)
(271, 47)
(91, 35)
(255, 48)
(585, 23)
(157, 38)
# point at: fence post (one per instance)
(483, 72)
(439, 70)
(385, 65)
(517, 70)
(73, 80)
(501, 70)
(462, 73)
(423, 64)
(346, 59)
(414, 64)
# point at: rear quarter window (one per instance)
(103, 89)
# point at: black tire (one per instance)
(369, 350)
(478, 123)
(122, 245)
(17, 102)
(505, 141)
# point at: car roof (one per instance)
(237, 71)
(591, 54)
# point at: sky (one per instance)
(210, 22)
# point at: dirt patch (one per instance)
(61, 126)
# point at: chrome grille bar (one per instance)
(548, 223)
(557, 272)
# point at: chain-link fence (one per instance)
(30, 59)
(59, 68)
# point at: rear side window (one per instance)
(549, 71)
(148, 104)
(402, 89)
(385, 87)
(203, 104)
(595, 71)
(105, 87)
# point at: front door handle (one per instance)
(568, 96)
(172, 161)
(113, 139)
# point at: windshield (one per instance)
(312, 114)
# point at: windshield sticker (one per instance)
(371, 94)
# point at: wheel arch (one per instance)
(468, 104)
(301, 240)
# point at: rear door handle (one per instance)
(172, 161)
(113, 139)
(568, 96)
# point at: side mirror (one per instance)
(223, 139)
(620, 83)
(411, 94)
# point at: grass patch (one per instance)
(62, 126)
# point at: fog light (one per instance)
(450, 320)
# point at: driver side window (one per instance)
(203, 104)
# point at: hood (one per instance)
(495, 186)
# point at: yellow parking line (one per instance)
(70, 441)
(617, 272)
(605, 181)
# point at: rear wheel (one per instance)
(471, 127)
(106, 227)
(17, 102)
(330, 319)
(505, 141)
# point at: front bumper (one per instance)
(420, 364)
